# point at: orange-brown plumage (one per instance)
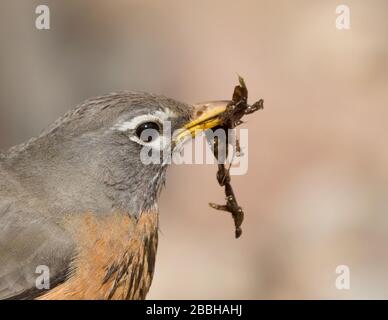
(115, 259)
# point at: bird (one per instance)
(78, 199)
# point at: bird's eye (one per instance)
(148, 131)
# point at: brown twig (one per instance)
(231, 118)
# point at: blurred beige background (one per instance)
(315, 195)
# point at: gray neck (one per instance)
(84, 175)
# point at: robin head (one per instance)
(90, 159)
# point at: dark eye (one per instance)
(148, 131)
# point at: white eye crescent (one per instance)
(148, 129)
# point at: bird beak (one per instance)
(206, 115)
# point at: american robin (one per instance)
(79, 201)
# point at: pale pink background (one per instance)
(315, 195)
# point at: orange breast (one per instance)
(115, 260)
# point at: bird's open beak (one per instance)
(207, 115)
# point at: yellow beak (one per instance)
(207, 115)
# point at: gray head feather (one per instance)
(80, 164)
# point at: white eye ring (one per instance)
(160, 117)
(135, 122)
(159, 143)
